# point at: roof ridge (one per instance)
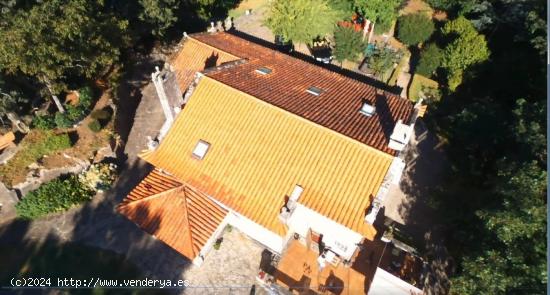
(161, 194)
(189, 37)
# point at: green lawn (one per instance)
(67, 260)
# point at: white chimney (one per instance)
(400, 136)
(159, 86)
(296, 193)
(367, 109)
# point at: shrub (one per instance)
(86, 95)
(381, 60)
(62, 120)
(441, 4)
(414, 28)
(101, 114)
(349, 44)
(422, 87)
(430, 59)
(94, 125)
(43, 122)
(54, 196)
(98, 176)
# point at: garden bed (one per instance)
(33, 147)
(66, 191)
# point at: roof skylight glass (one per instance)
(263, 70)
(314, 90)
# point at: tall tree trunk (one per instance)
(54, 97)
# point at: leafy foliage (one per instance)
(94, 125)
(43, 122)
(381, 12)
(381, 60)
(99, 176)
(160, 14)
(301, 20)
(467, 48)
(495, 126)
(349, 44)
(60, 38)
(54, 196)
(430, 59)
(413, 29)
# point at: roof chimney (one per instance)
(367, 109)
(400, 136)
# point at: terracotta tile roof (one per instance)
(259, 152)
(336, 108)
(175, 213)
(154, 183)
(193, 57)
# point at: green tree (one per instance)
(381, 12)
(467, 48)
(413, 29)
(349, 44)
(381, 60)
(430, 60)
(301, 20)
(514, 237)
(160, 14)
(57, 39)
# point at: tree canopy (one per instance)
(349, 44)
(381, 12)
(495, 127)
(430, 59)
(160, 14)
(413, 29)
(466, 48)
(56, 39)
(301, 20)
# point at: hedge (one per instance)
(54, 196)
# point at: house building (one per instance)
(287, 152)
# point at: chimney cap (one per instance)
(367, 109)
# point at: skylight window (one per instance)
(367, 109)
(263, 71)
(314, 90)
(200, 149)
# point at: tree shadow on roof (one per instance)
(309, 59)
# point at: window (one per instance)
(314, 90)
(200, 149)
(263, 71)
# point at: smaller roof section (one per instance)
(173, 212)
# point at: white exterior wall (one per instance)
(208, 246)
(385, 283)
(339, 238)
(257, 232)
